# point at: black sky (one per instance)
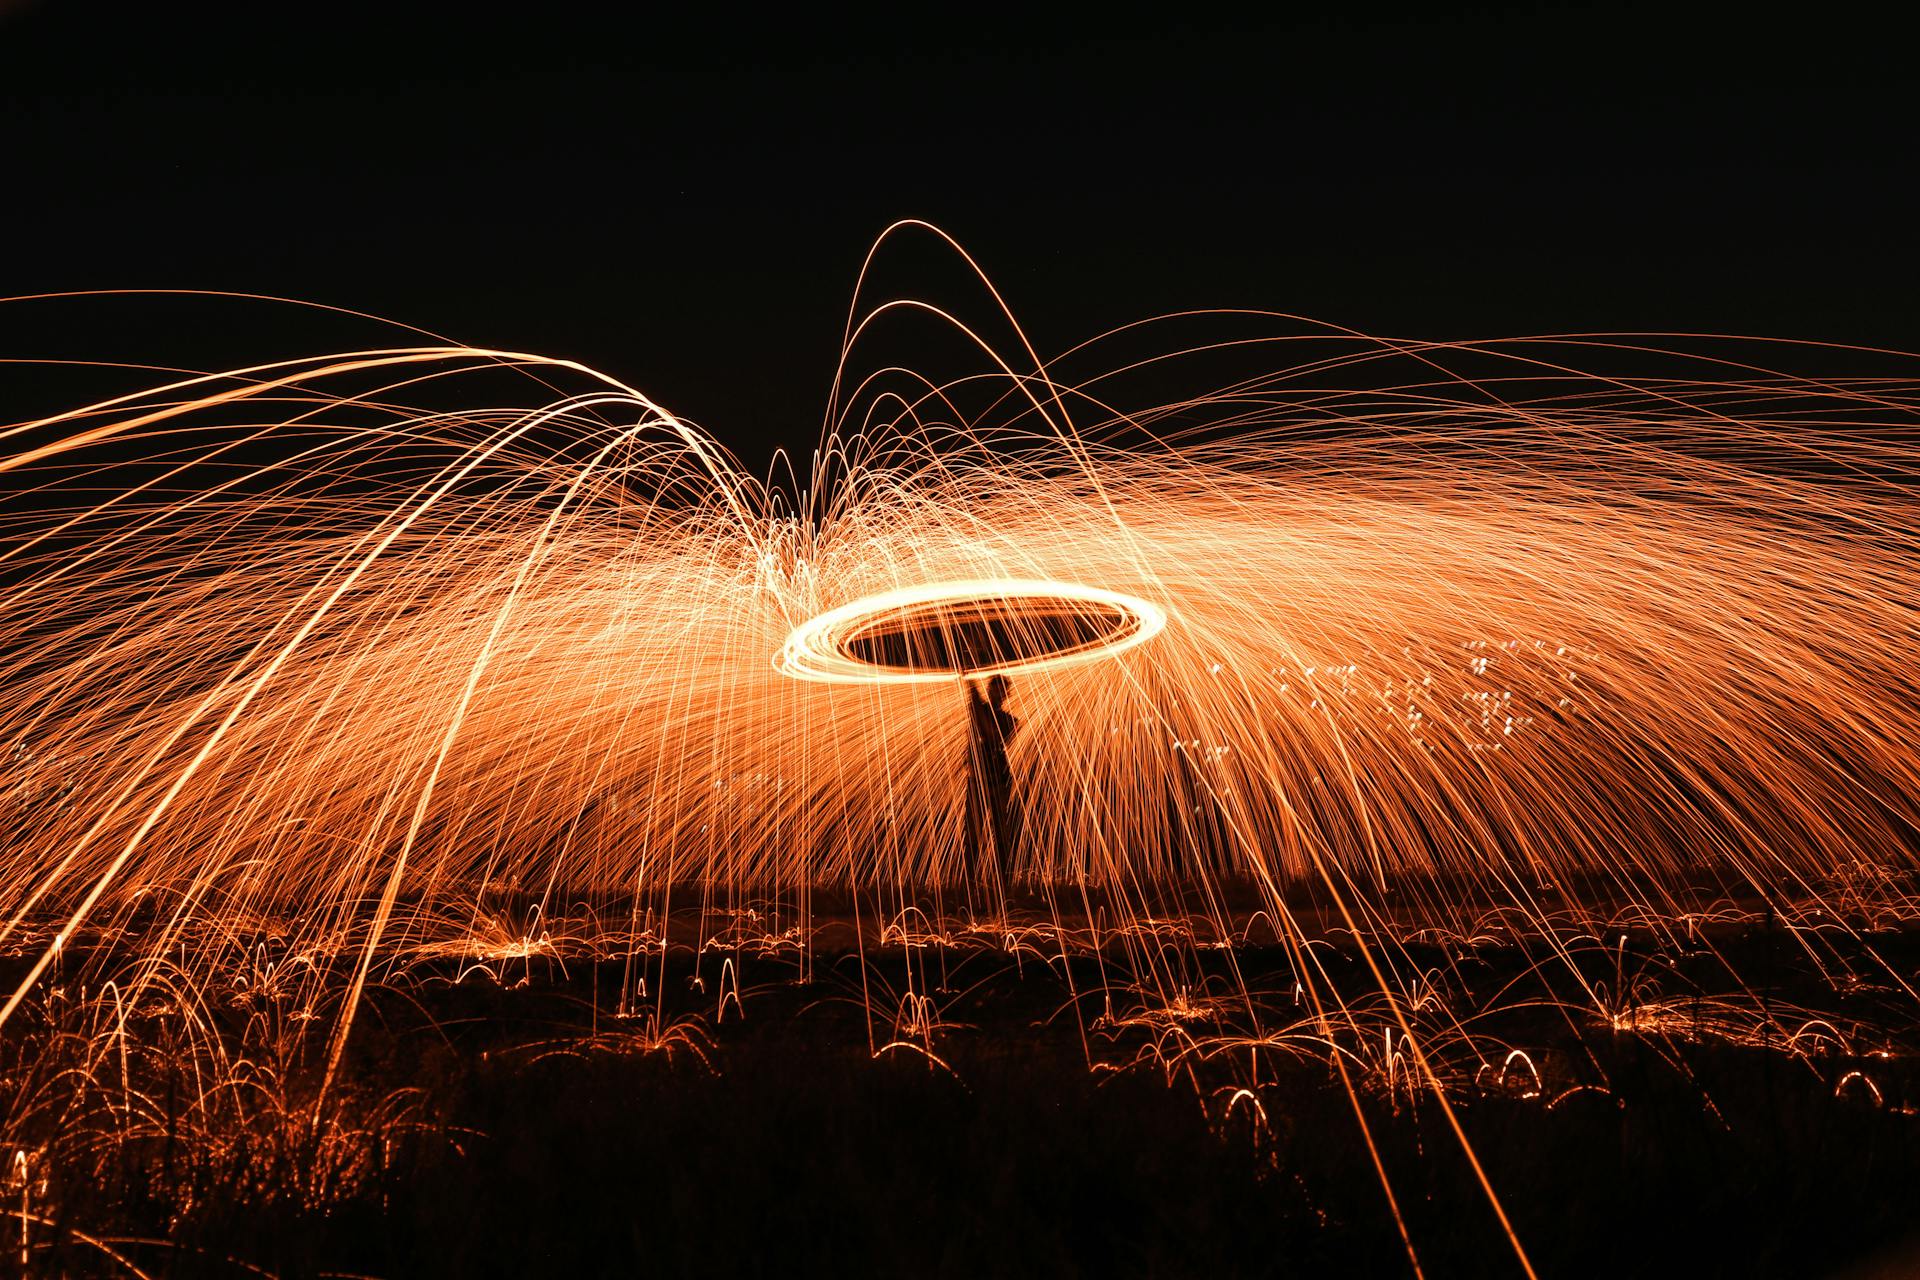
(682, 198)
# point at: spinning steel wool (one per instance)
(1398, 633)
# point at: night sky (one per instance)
(683, 198)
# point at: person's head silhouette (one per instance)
(997, 690)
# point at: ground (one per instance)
(952, 1103)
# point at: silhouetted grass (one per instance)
(547, 1138)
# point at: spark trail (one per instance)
(1434, 627)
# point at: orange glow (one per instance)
(1438, 641)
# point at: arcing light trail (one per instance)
(1506, 644)
(1398, 631)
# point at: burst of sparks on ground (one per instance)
(1436, 631)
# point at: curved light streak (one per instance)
(821, 648)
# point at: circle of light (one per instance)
(816, 649)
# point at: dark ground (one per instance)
(547, 1141)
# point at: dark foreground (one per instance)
(500, 1119)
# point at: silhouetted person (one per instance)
(990, 812)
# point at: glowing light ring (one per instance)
(1010, 626)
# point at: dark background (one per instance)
(682, 198)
